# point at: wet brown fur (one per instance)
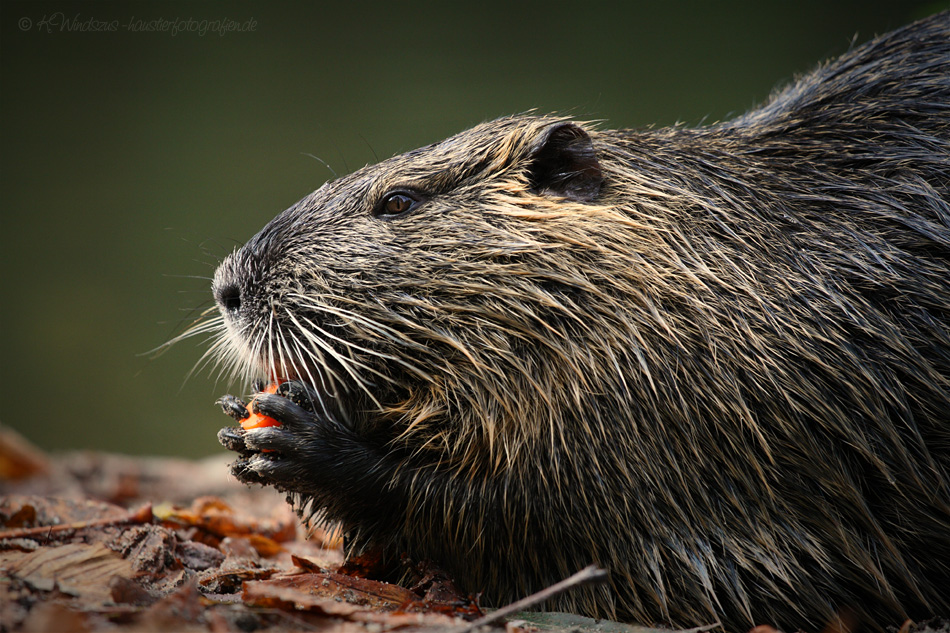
(725, 377)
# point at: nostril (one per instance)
(229, 298)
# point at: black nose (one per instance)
(228, 297)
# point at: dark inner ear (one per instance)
(564, 164)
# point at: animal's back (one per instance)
(817, 229)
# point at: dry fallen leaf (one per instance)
(19, 459)
(76, 569)
(294, 593)
(215, 516)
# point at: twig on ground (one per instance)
(587, 576)
(142, 515)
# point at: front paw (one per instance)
(282, 455)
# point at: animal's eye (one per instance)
(396, 203)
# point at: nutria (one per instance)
(714, 361)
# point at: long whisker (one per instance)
(302, 352)
(353, 346)
(345, 363)
(389, 333)
(385, 331)
(216, 352)
(200, 325)
(327, 372)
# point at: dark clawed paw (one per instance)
(272, 439)
(300, 394)
(268, 469)
(243, 472)
(280, 472)
(284, 410)
(233, 407)
(232, 438)
(286, 455)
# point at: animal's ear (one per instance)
(563, 163)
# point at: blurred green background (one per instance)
(135, 159)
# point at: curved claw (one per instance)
(233, 407)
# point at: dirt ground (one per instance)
(104, 542)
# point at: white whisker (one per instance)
(344, 362)
(389, 333)
(325, 388)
